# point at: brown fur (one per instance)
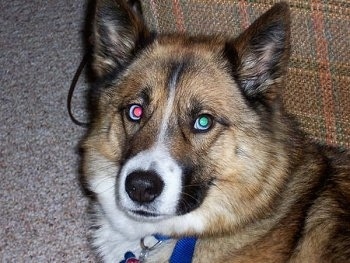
(273, 196)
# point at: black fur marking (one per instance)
(176, 69)
(193, 192)
(230, 53)
(143, 41)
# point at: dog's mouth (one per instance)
(144, 214)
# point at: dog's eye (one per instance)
(135, 112)
(203, 123)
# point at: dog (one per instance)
(189, 141)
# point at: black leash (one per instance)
(72, 88)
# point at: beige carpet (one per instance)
(42, 208)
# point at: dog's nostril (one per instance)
(143, 186)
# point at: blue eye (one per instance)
(135, 112)
(203, 123)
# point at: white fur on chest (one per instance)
(112, 245)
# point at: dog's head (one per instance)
(187, 135)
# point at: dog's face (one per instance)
(181, 142)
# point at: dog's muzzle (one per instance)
(150, 184)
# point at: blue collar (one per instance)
(182, 253)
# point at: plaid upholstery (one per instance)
(318, 89)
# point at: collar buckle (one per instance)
(146, 249)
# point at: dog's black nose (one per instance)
(143, 186)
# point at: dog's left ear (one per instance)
(119, 32)
(261, 54)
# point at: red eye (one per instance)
(135, 112)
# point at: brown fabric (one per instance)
(318, 89)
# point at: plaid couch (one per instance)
(318, 89)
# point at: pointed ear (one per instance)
(118, 34)
(262, 53)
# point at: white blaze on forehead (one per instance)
(169, 104)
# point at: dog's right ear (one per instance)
(118, 34)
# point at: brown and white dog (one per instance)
(189, 138)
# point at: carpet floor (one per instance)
(42, 216)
